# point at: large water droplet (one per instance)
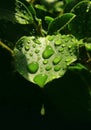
(57, 68)
(56, 60)
(48, 52)
(33, 67)
(40, 79)
(57, 43)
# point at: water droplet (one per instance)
(36, 51)
(48, 68)
(37, 41)
(33, 67)
(45, 62)
(48, 52)
(31, 54)
(27, 47)
(34, 45)
(57, 68)
(57, 43)
(19, 45)
(40, 79)
(61, 49)
(68, 60)
(69, 46)
(29, 41)
(63, 45)
(50, 38)
(42, 110)
(56, 60)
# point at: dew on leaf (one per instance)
(57, 43)
(56, 60)
(48, 52)
(34, 45)
(27, 47)
(31, 54)
(57, 68)
(68, 60)
(61, 49)
(19, 45)
(33, 67)
(69, 46)
(37, 41)
(63, 45)
(40, 79)
(28, 41)
(45, 62)
(36, 51)
(50, 38)
(48, 68)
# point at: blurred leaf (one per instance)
(80, 26)
(42, 59)
(20, 14)
(48, 19)
(60, 22)
(77, 67)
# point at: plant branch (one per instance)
(6, 47)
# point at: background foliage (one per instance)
(67, 100)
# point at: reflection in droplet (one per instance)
(33, 67)
(56, 60)
(57, 68)
(48, 52)
(40, 79)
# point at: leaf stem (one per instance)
(6, 47)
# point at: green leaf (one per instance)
(42, 59)
(80, 26)
(88, 47)
(77, 67)
(20, 14)
(60, 22)
(48, 19)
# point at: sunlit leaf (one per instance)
(42, 59)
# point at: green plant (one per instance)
(50, 41)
